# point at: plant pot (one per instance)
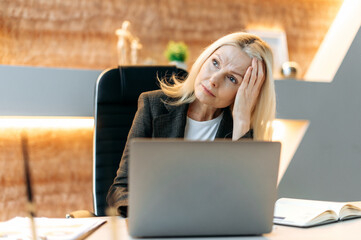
(179, 64)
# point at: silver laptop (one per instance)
(191, 188)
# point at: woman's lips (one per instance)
(207, 91)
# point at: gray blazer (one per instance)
(156, 119)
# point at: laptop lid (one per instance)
(197, 188)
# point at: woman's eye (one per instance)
(215, 63)
(232, 79)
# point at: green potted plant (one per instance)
(177, 53)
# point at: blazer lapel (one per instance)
(171, 124)
(225, 129)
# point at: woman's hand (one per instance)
(246, 98)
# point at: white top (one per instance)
(204, 130)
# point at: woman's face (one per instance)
(220, 76)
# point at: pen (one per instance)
(30, 204)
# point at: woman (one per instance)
(229, 93)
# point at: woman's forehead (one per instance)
(230, 54)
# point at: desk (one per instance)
(350, 230)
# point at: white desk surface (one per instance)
(350, 230)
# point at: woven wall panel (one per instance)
(80, 34)
(61, 168)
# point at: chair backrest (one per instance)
(116, 96)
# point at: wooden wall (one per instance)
(80, 34)
(61, 168)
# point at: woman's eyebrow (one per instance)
(236, 73)
(233, 72)
(219, 56)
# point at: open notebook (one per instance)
(308, 213)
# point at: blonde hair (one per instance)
(254, 47)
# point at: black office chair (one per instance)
(116, 96)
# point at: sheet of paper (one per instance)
(49, 228)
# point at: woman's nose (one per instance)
(214, 80)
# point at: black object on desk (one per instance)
(29, 192)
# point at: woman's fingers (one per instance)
(261, 75)
(248, 92)
(247, 77)
(254, 77)
(254, 74)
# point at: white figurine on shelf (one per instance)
(124, 38)
(135, 46)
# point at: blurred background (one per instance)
(80, 34)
